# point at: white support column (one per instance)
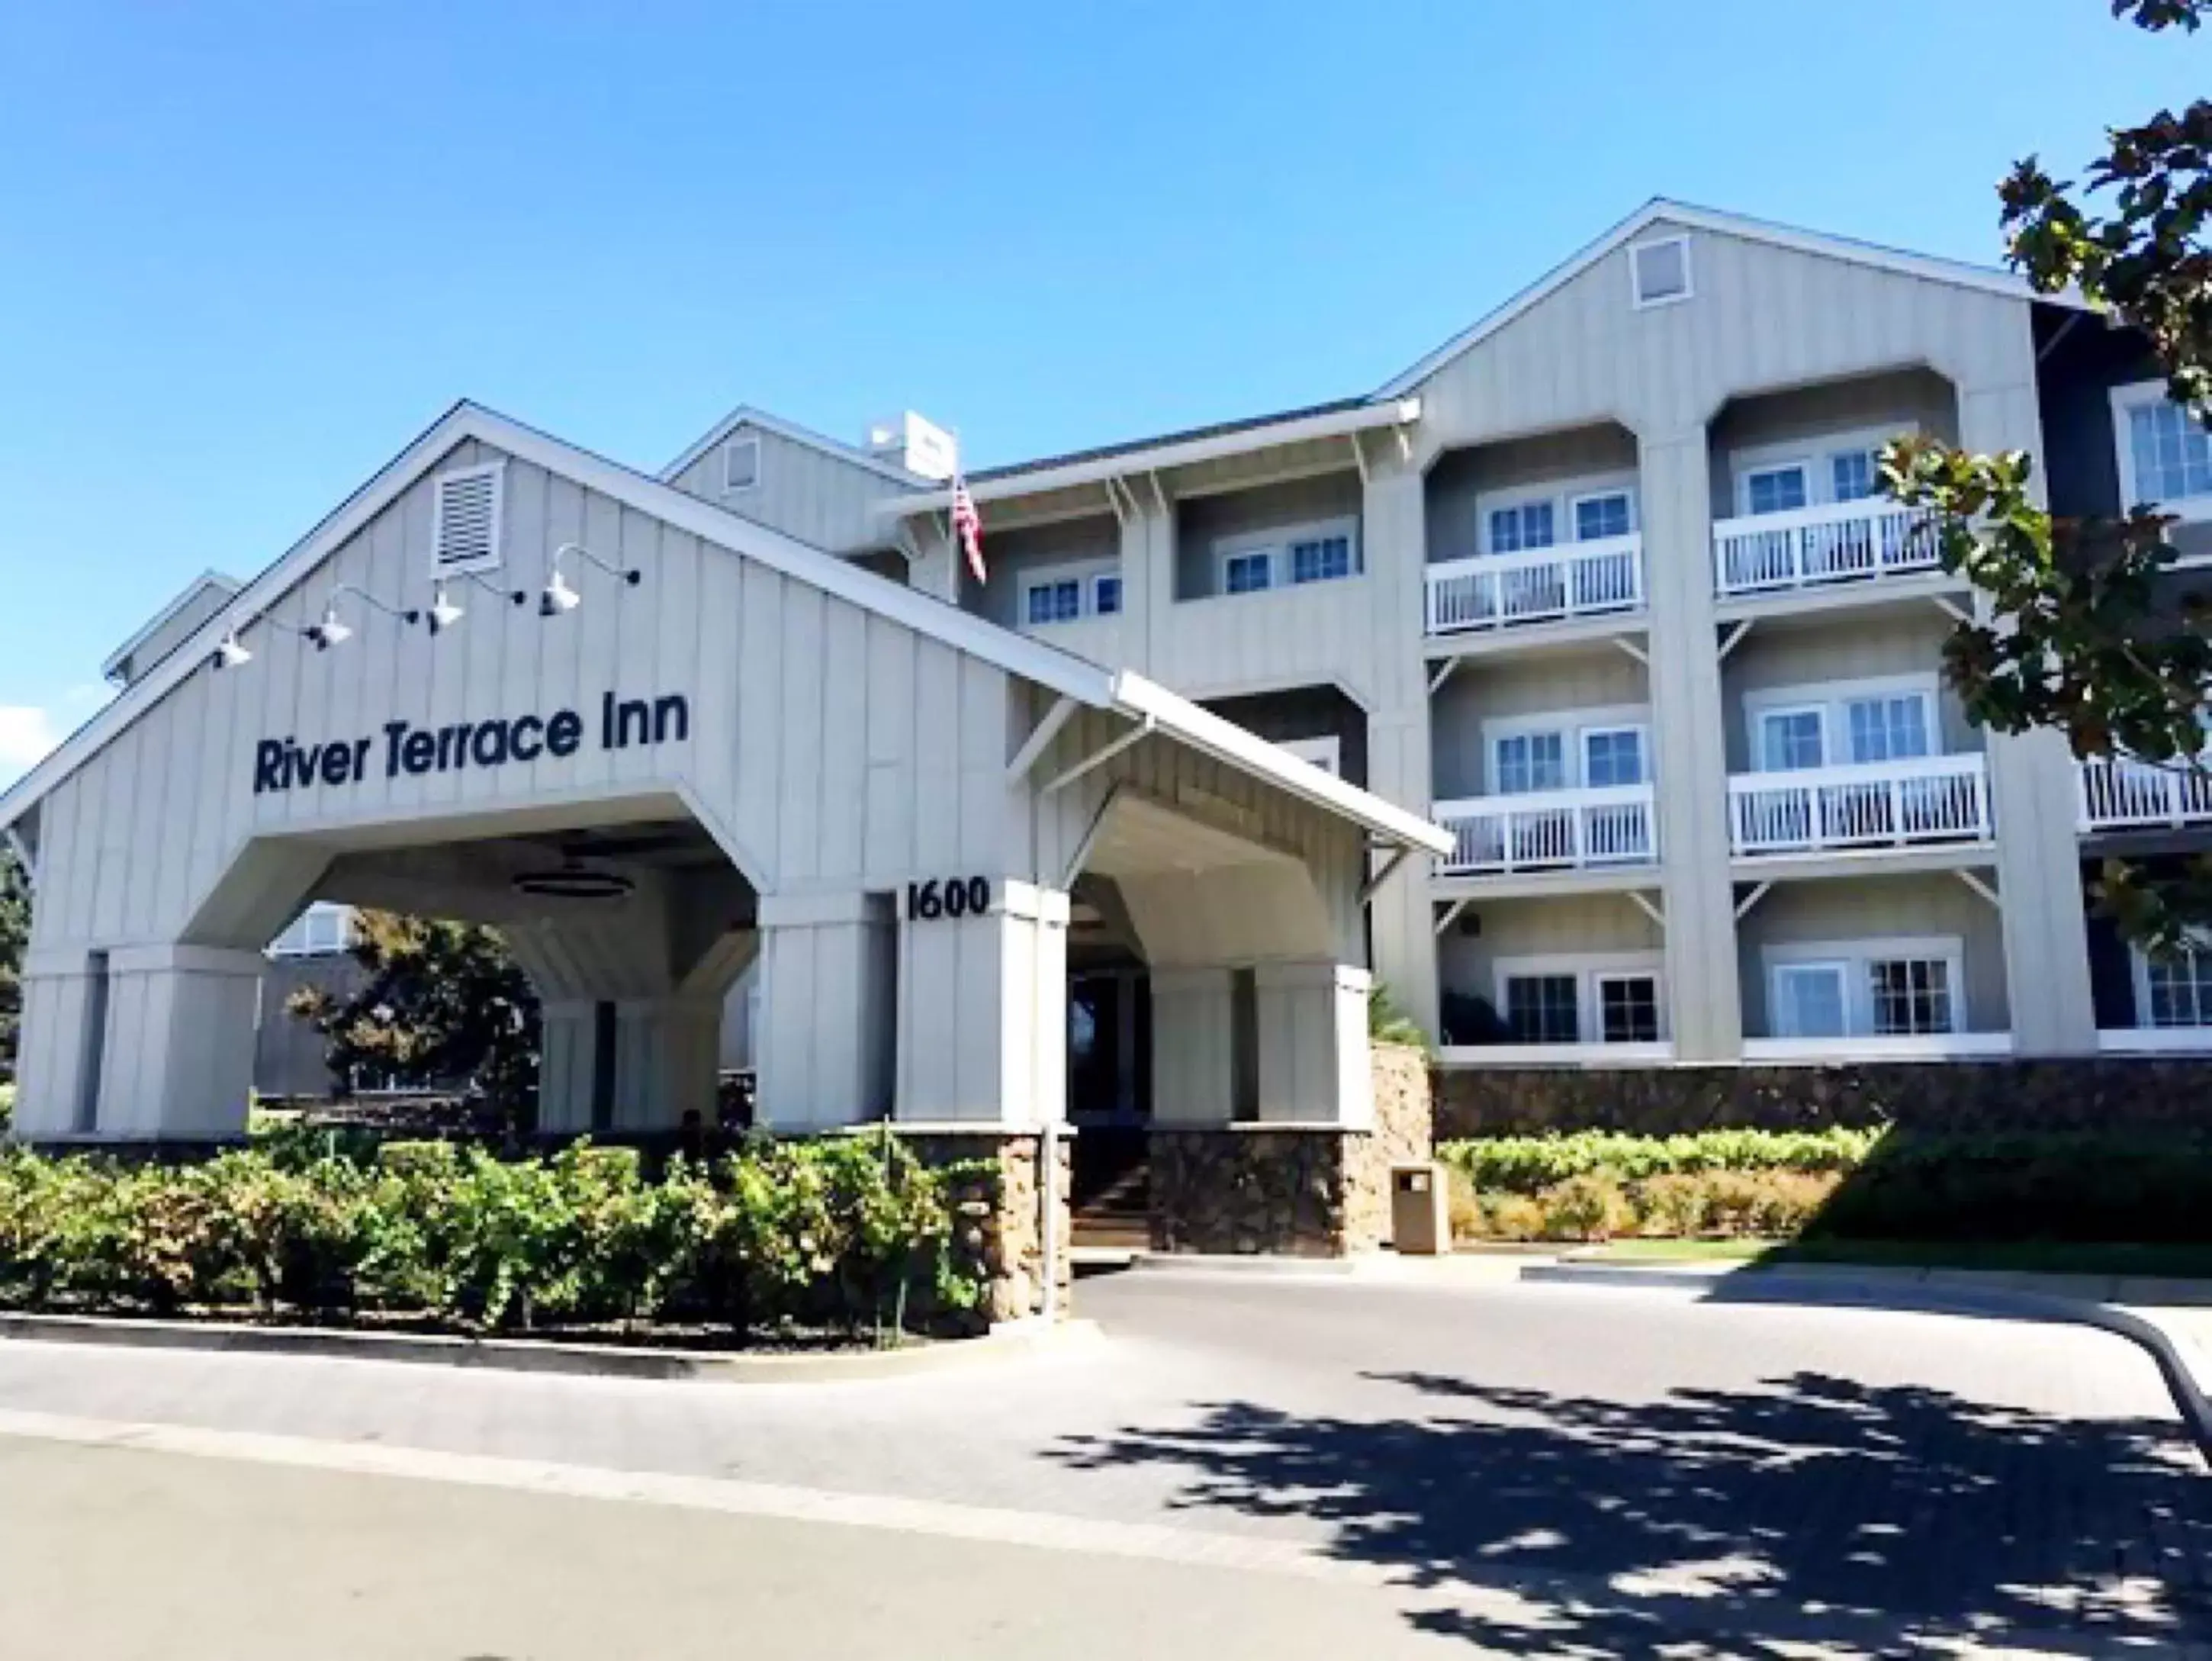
(1193, 1047)
(666, 1052)
(1401, 763)
(982, 1011)
(58, 1047)
(1313, 1053)
(826, 1034)
(177, 1059)
(568, 1064)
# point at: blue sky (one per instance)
(247, 252)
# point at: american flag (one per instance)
(967, 526)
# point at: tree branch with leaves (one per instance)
(2077, 633)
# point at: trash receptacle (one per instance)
(1420, 1219)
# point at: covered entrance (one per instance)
(654, 742)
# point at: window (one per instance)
(1628, 1008)
(1056, 601)
(1853, 476)
(1248, 573)
(1910, 995)
(322, 930)
(1809, 1000)
(1598, 517)
(2176, 991)
(1068, 594)
(2166, 452)
(1320, 558)
(1887, 728)
(1775, 490)
(1542, 1009)
(740, 464)
(1513, 530)
(1613, 755)
(1789, 739)
(1530, 761)
(1660, 271)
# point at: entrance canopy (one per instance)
(503, 650)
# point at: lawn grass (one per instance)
(2191, 1262)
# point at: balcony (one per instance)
(1550, 830)
(1889, 804)
(1542, 585)
(2120, 793)
(1812, 547)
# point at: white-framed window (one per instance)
(1842, 723)
(1257, 562)
(1323, 752)
(1613, 755)
(2175, 991)
(1600, 998)
(1527, 524)
(741, 465)
(1068, 594)
(1573, 749)
(2165, 452)
(1860, 988)
(1602, 514)
(322, 930)
(1778, 489)
(1818, 472)
(1523, 763)
(1659, 272)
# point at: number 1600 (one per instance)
(948, 897)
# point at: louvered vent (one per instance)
(466, 537)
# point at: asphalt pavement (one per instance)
(1246, 1465)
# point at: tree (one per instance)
(14, 935)
(2075, 635)
(441, 1001)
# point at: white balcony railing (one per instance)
(1811, 546)
(1544, 585)
(1931, 799)
(2118, 792)
(1550, 829)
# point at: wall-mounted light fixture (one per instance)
(557, 596)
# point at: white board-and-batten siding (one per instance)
(820, 498)
(829, 747)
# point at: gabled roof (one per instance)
(746, 416)
(1659, 209)
(199, 584)
(1047, 666)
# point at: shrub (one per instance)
(1586, 1208)
(843, 1231)
(1529, 1164)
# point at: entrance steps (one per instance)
(1112, 1197)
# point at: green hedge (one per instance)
(849, 1232)
(1836, 1184)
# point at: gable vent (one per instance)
(466, 535)
(1661, 271)
(741, 464)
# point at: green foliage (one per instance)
(1388, 1023)
(441, 1000)
(2075, 637)
(14, 936)
(834, 1233)
(1833, 1184)
(1530, 1164)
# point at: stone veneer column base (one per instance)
(1295, 1190)
(997, 1220)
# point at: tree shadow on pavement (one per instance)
(1812, 1509)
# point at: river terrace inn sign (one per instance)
(658, 744)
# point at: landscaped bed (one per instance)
(777, 1245)
(1821, 1187)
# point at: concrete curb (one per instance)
(1012, 1341)
(2188, 1379)
(1206, 1263)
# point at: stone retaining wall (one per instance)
(1299, 1191)
(997, 1219)
(2087, 1094)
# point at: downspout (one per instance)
(1048, 1204)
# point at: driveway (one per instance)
(1248, 1464)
